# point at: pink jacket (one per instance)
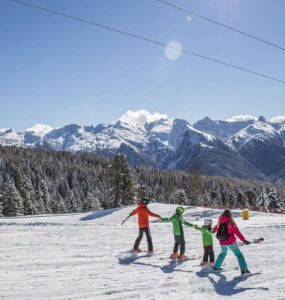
(232, 231)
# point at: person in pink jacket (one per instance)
(229, 241)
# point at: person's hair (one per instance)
(227, 213)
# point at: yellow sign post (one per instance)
(245, 214)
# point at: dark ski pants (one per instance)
(209, 254)
(148, 237)
(179, 241)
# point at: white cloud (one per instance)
(279, 119)
(40, 129)
(141, 117)
(241, 118)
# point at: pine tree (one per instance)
(90, 203)
(13, 202)
(195, 187)
(179, 197)
(57, 205)
(205, 201)
(1, 202)
(29, 196)
(241, 200)
(262, 200)
(120, 186)
(274, 202)
(71, 203)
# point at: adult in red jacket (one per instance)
(230, 243)
(143, 220)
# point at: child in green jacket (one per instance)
(207, 242)
(177, 221)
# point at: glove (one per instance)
(246, 242)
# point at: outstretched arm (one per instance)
(187, 223)
(165, 219)
(215, 229)
(134, 212)
(198, 228)
(125, 219)
(152, 214)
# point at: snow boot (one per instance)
(204, 263)
(174, 256)
(137, 250)
(245, 272)
(182, 257)
(150, 253)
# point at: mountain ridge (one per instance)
(243, 147)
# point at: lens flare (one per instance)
(173, 50)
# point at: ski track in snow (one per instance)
(85, 256)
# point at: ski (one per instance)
(193, 257)
(246, 275)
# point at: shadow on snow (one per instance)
(169, 268)
(99, 214)
(228, 288)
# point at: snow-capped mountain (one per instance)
(242, 146)
(223, 129)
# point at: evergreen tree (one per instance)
(57, 205)
(13, 202)
(121, 191)
(205, 200)
(178, 197)
(71, 203)
(195, 187)
(1, 201)
(90, 203)
(274, 202)
(262, 200)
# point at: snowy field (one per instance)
(81, 256)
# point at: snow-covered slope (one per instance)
(84, 256)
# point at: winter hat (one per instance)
(180, 210)
(208, 222)
(145, 201)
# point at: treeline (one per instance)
(40, 181)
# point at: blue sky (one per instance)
(57, 71)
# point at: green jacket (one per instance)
(177, 221)
(206, 235)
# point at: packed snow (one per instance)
(85, 256)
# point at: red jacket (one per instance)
(143, 213)
(232, 231)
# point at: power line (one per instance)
(147, 40)
(221, 24)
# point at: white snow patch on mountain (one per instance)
(85, 256)
(257, 131)
(241, 118)
(40, 129)
(3, 130)
(279, 119)
(141, 117)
